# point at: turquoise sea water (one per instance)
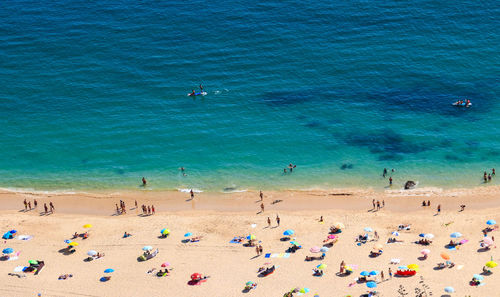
(93, 94)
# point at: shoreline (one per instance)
(348, 199)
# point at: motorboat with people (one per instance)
(463, 103)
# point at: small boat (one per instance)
(462, 104)
(197, 94)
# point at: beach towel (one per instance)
(274, 255)
(13, 258)
(281, 255)
(286, 255)
(24, 237)
(268, 255)
(234, 240)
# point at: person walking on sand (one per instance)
(144, 182)
(35, 203)
(321, 219)
(439, 209)
(152, 209)
(390, 273)
(373, 203)
(136, 204)
(29, 205)
(382, 275)
(117, 209)
(46, 208)
(268, 222)
(342, 266)
(428, 203)
(149, 210)
(262, 207)
(192, 194)
(52, 208)
(25, 205)
(257, 250)
(261, 195)
(278, 220)
(383, 203)
(378, 205)
(261, 249)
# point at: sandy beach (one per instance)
(219, 217)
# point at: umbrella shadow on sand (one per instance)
(66, 251)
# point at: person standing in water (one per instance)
(390, 181)
(384, 174)
(144, 182)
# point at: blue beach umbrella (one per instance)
(449, 290)
(368, 229)
(402, 267)
(324, 249)
(288, 232)
(374, 272)
(421, 234)
(188, 234)
(13, 231)
(109, 270)
(147, 248)
(8, 251)
(478, 276)
(371, 284)
(364, 273)
(456, 235)
(491, 222)
(395, 233)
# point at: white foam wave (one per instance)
(189, 190)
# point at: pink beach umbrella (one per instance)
(425, 252)
(488, 241)
(315, 249)
(165, 264)
(332, 236)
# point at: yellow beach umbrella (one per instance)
(165, 231)
(413, 267)
(87, 226)
(339, 225)
(73, 243)
(491, 264)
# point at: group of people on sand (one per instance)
(27, 206)
(278, 220)
(488, 176)
(377, 205)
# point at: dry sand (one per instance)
(219, 217)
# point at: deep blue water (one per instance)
(93, 94)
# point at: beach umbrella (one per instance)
(324, 249)
(251, 237)
(321, 266)
(332, 236)
(315, 249)
(395, 260)
(13, 231)
(478, 276)
(165, 231)
(413, 267)
(488, 241)
(34, 262)
(368, 229)
(449, 290)
(373, 272)
(395, 233)
(165, 264)
(288, 232)
(456, 235)
(91, 253)
(109, 270)
(445, 256)
(429, 236)
(339, 225)
(196, 276)
(304, 290)
(294, 243)
(402, 267)
(249, 283)
(147, 248)
(425, 251)
(422, 235)
(463, 241)
(371, 284)
(188, 234)
(19, 268)
(8, 251)
(86, 226)
(67, 241)
(73, 243)
(491, 222)
(491, 264)
(364, 273)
